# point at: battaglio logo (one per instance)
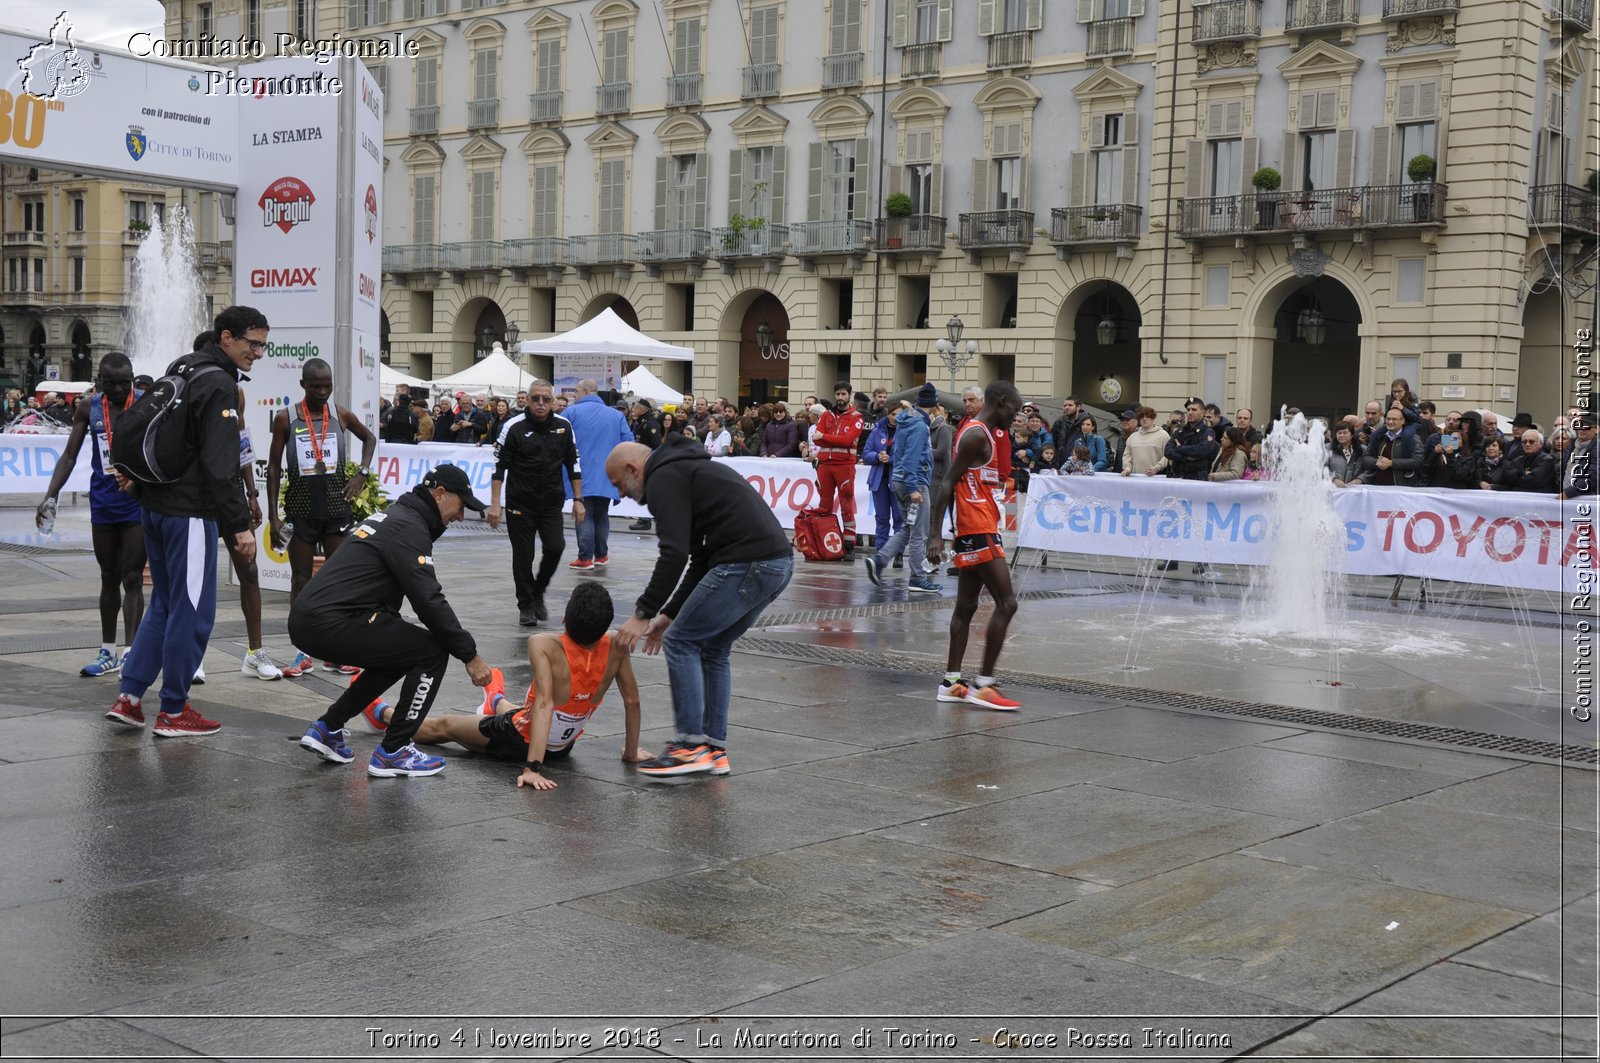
(286, 203)
(292, 355)
(54, 70)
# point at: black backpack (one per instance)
(151, 443)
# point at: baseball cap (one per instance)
(1130, 414)
(452, 479)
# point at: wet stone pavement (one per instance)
(1200, 838)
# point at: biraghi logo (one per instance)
(286, 203)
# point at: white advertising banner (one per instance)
(28, 461)
(1490, 537)
(95, 109)
(603, 369)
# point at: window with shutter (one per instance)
(615, 70)
(427, 81)
(840, 191)
(1416, 138)
(1328, 108)
(483, 205)
(1227, 165)
(764, 35)
(927, 22)
(1233, 118)
(986, 17)
(1088, 10)
(1108, 176)
(546, 217)
(423, 196)
(549, 66)
(1014, 18)
(844, 27)
(486, 71)
(686, 46)
(613, 196)
(946, 20)
(1317, 160)
(918, 184)
(777, 192)
(758, 178)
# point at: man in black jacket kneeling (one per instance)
(350, 611)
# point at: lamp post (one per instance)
(485, 342)
(1312, 327)
(954, 356)
(764, 340)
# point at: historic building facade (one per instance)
(1264, 203)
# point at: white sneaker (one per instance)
(259, 664)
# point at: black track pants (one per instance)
(387, 649)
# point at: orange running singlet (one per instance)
(588, 668)
(977, 513)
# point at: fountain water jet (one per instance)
(1300, 592)
(166, 308)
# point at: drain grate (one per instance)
(24, 550)
(907, 664)
(927, 605)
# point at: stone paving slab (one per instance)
(1095, 834)
(1395, 753)
(1295, 934)
(1279, 782)
(1148, 734)
(90, 1038)
(836, 905)
(1517, 1018)
(1534, 793)
(1558, 948)
(1425, 845)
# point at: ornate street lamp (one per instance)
(951, 353)
(1311, 326)
(764, 339)
(511, 334)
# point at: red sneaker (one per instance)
(496, 689)
(187, 723)
(991, 698)
(342, 669)
(126, 711)
(372, 716)
(600, 562)
(579, 562)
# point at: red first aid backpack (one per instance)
(817, 535)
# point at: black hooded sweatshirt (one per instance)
(706, 515)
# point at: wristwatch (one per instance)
(535, 766)
(364, 471)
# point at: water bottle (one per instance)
(47, 523)
(285, 535)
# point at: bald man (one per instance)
(712, 522)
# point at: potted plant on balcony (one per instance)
(1421, 169)
(1593, 183)
(898, 205)
(137, 227)
(1266, 181)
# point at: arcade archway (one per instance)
(480, 323)
(755, 335)
(1544, 370)
(1316, 351)
(617, 304)
(1098, 351)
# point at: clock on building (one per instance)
(1111, 390)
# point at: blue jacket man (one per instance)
(596, 428)
(910, 479)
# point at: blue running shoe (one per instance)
(408, 760)
(327, 744)
(104, 664)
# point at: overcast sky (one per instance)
(93, 21)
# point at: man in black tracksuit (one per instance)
(1190, 452)
(534, 448)
(351, 611)
(713, 522)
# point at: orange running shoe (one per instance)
(495, 689)
(991, 698)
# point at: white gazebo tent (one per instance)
(389, 379)
(643, 384)
(607, 334)
(495, 375)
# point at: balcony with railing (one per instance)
(1418, 205)
(614, 98)
(541, 252)
(205, 252)
(603, 249)
(1395, 10)
(1008, 51)
(473, 256)
(225, 253)
(424, 121)
(747, 241)
(912, 234)
(921, 60)
(675, 245)
(1578, 14)
(760, 81)
(25, 238)
(1320, 14)
(996, 230)
(1098, 223)
(843, 71)
(546, 106)
(686, 90)
(411, 258)
(1567, 207)
(841, 236)
(1110, 36)
(483, 114)
(1228, 20)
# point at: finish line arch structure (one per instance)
(296, 141)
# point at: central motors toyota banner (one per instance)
(1505, 539)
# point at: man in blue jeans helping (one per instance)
(712, 522)
(911, 481)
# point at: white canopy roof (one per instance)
(607, 334)
(495, 375)
(643, 384)
(389, 379)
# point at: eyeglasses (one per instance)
(257, 345)
(541, 400)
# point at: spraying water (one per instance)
(1297, 594)
(167, 307)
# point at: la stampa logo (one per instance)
(286, 203)
(54, 70)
